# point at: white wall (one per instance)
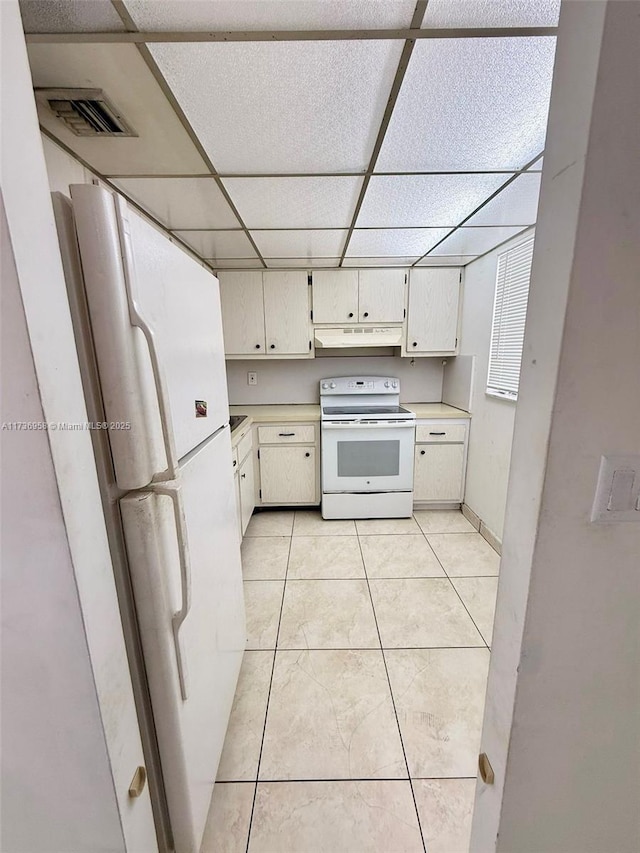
(55, 802)
(491, 431)
(296, 381)
(563, 700)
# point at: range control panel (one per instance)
(360, 385)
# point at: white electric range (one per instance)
(367, 448)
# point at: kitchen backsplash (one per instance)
(296, 381)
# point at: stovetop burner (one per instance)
(365, 410)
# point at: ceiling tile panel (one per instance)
(271, 14)
(380, 262)
(162, 144)
(492, 13)
(69, 16)
(424, 200)
(219, 244)
(301, 263)
(517, 204)
(300, 244)
(471, 104)
(294, 202)
(181, 203)
(446, 260)
(282, 107)
(474, 241)
(380, 242)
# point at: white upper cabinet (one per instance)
(359, 296)
(433, 310)
(381, 296)
(242, 313)
(266, 313)
(335, 296)
(286, 313)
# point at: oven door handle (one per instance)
(377, 425)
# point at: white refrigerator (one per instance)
(148, 325)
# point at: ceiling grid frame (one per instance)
(172, 37)
(130, 201)
(416, 22)
(130, 24)
(410, 34)
(479, 207)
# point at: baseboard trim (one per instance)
(483, 530)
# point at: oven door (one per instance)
(373, 457)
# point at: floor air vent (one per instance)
(86, 112)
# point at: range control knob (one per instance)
(386, 384)
(325, 384)
(333, 385)
(394, 383)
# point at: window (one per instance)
(509, 315)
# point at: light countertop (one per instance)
(285, 413)
(300, 412)
(435, 410)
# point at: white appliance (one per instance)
(149, 333)
(367, 448)
(347, 337)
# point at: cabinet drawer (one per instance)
(440, 432)
(287, 434)
(244, 447)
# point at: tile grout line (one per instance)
(393, 702)
(456, 591)
(266, 712)
(340, 779)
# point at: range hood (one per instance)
(348, 337)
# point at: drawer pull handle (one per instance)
(235, 462)
(257, 346)
(242, 476)
(351, 314)
(272, 346)
(286, 434)
(422, 452)
(366, 314)
(414, 344)
(307, 454)
(437, 433)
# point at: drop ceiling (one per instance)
(313, 133)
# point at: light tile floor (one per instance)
(356, 722)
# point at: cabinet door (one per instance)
(247, 491)
(242, 313)
(236, 488)
(286, 313)
(432, 321)
(335, 296)
(381, 297)
(288, 475)
(438, 472)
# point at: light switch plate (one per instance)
(618, 491)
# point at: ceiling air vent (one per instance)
(86, 112)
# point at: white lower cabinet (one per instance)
(440, 462)
(247, 491)
(243, 465)
(288, 464)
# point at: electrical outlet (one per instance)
(252, 378)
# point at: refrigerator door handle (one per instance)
(174, 492)
(138, 320)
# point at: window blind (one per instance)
(509, 315)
